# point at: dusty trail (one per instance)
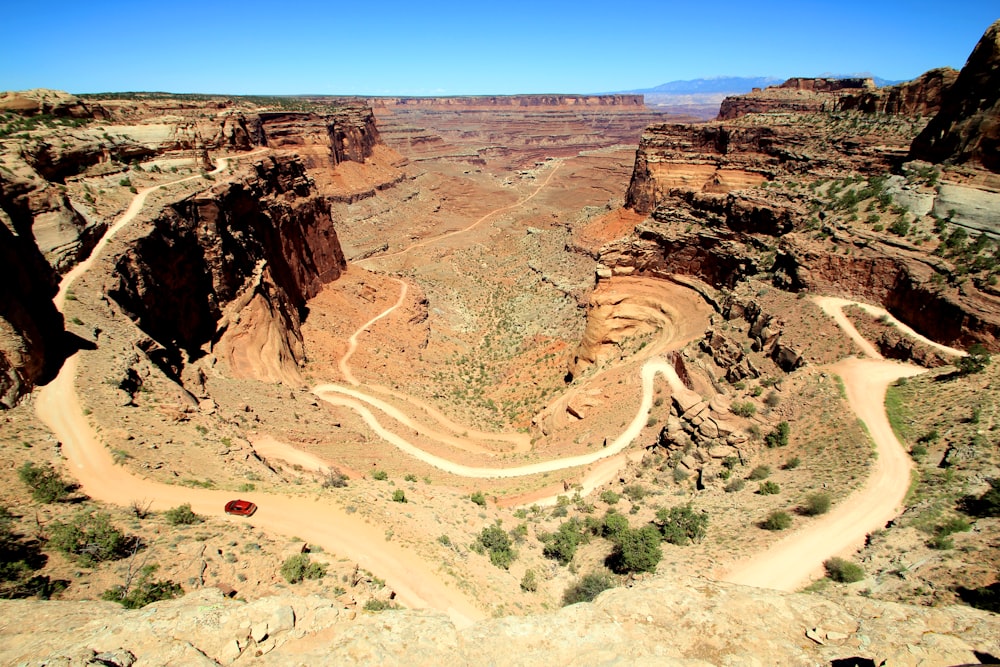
(798, 558)
(416, 582)
(487, 216)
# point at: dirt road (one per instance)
(798, 558)
(416, 582)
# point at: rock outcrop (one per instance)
(797, 95)
(920, 97)
(677, 622)
(500, 101)
(967, 129)
(265, 243)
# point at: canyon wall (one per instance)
(516, 101)
(264, 242)
(967, 128)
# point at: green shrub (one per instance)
(610, 497)
(777, 520)
(398, 496)
(759, 473)
(779, 436)
(636, 550)
(772, 400)
(792, 463)
(681, 524)
(478, 498)
(380, 475)
(182, 516)
(941, 542)
(735, 485)
(410, 477)
(816, 504)
(375, 605)
(144, 591)
(768, 488)
(46, 485)
(976, 361)
(89, 538)
(298, 567)
(587, 588)
(635, 492)
(529, 582)
(614, 525)
(561, 545)
(843, 571)
(744, 409)
(495, 541)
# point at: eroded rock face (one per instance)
(798, 95)
(967, 129)
(265, 242)
(920, 97)
(676, 622)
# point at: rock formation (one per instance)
(680, 622)
(967, 129)
(266, 243)
(798, 95)
(920, 97)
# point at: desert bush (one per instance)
(614, 525)
(299, 567)
(46, 485)
(610, 497)
(779, 436)
(587, 588)
(635, 492)
(89, 538)
(375, 605)
(768, 488)
(843, 571)
(495, 541)
(478, 498)
(772, 400)
(743, 409)
(182, 515)
(792, 463)
(145, 591)
(759, 473)
(976, 361)
(334, 479)
(681, 524)
(380, 475)
(529, 582)
(735, 485)
(561, 545)
(398, 496)
(636, 550)
(777, 520)
(816, 504)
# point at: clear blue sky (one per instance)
(470, 47)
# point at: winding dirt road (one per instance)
(417, 583)
(798, 558)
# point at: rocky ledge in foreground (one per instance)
(689, 622)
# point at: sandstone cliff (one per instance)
(687, 622)
(967, 129)
(799, 95)
(265, 242)
(920, 97)
(493, 101)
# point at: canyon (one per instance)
(490, 311)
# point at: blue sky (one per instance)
(436, 48)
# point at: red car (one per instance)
(240, 507)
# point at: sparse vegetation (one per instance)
(779, 436)
(529, 582)
(587, 588)
(681, 524)
(182, 516)
(299, 567)
(89, 538)
(777, 520)
(843, 571)
(768, 488)
(46, 485)
(478, 498)
(495, 541)
(816, 504)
